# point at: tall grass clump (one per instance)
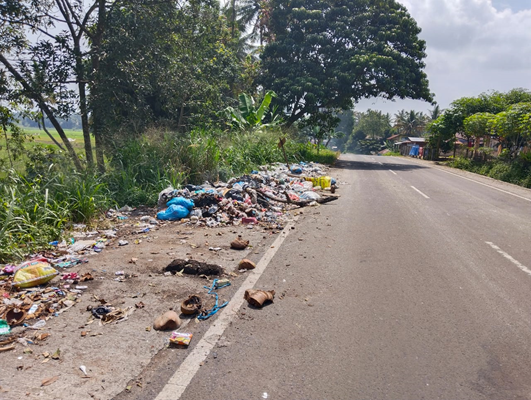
(308, 152)
(141, 167)
(29, 216)
(243, 152)
(85, 195)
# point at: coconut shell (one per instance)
(257, 298)
(191, 305)
(167, 321)
(246, 264)
(239, 244)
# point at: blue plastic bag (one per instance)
(173, 213)
(295, 169)
(181, 201)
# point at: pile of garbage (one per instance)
(262, 196)
(26, 301)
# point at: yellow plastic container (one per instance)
(322, 181)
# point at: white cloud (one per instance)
(473, 46)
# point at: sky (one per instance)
(473, 46)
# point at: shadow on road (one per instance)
(374, 166)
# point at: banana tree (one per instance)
(248, 117)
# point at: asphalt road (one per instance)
(413, 285)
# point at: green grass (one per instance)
(42, 138)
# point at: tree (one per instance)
(164, 65)
(253, 14)
(248, 117)
(513, 126)
(478, 126)
(410, 123)
(375, 124)
(326, 55)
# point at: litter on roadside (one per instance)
(180, 338)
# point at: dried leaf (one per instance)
(49, 381)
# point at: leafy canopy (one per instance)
(326, 54)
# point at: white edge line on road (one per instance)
(414, 188)
(180, 380)
(511, 259)
(484, 184)
(393, 171)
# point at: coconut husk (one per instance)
(257, 298)
(192, 305)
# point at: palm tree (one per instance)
(252, 13)
(410, 123)
(435, 113)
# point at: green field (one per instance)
(39, 137)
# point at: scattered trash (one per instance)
(257, 298)
(193, 267)
(15, 316)
(123, 243)
(246, 264)
(205, 314)
(180, 338)
(4, 327)
(181, 201)
(239, 244)
(100, 311)
(56, 355)
(49, 381)
(192, 305)
(38, 325)
(34, 273)
(83, 369)
(167, 321)
(173, 213)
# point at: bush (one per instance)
(308, 152)
(30, 216)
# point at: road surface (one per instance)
(415, 284)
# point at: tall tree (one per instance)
(164, 64)
(410, 123)
(326, 55)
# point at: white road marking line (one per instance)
(484, 184)
(511, 259)
(187, 370)
(393, 171)
(414, 188)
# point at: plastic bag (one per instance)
(4, 327)
(173, 213)
(181, 338)
(34, 274)
(310, 196)
(181, 201)
(296, 169)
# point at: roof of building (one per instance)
(417, 139)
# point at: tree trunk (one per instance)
(37, 97)
(97, 115)
(82, 86)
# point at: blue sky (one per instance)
(473, 46)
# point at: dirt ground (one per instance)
(114, 354)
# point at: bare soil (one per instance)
(114, 354)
